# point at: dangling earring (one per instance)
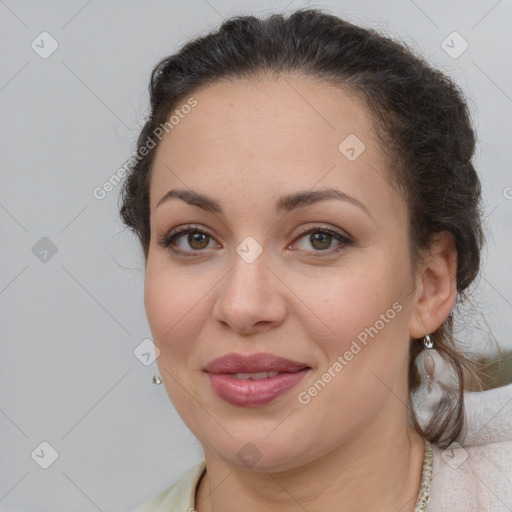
(428, 361)
(437, 380)
(157, 379)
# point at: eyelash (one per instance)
(165, 240)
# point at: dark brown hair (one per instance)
(421, 118)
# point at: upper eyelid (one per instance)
(192, 228)
(183, 229)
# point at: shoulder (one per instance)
(489, 416)
(476, 474)
(178, 496)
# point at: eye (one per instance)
(321, 239)
(198, 239)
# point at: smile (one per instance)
(253, 380)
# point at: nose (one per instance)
(251, 297)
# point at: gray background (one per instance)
(70, 321)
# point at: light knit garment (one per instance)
(474, 477)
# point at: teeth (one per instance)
(255, 376)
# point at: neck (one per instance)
(369, 472)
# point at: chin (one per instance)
(260, 454)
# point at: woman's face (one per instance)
(268, 270)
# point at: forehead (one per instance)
(267, 136)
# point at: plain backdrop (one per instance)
(71, 280)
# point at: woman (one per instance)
(309, 214)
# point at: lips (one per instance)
(254, 363)
(253, 380)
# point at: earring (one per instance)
(428, 361)
(157, 379)
(438, 380)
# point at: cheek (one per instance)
(346, 303)
(359, 311)
(171, 299)
(174, 310)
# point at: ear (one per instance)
(436, 291)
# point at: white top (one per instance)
(477, 477)
(474, 477)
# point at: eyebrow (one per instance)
(284, 204)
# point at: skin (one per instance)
(247, 143)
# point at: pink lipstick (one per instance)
(253, 380)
